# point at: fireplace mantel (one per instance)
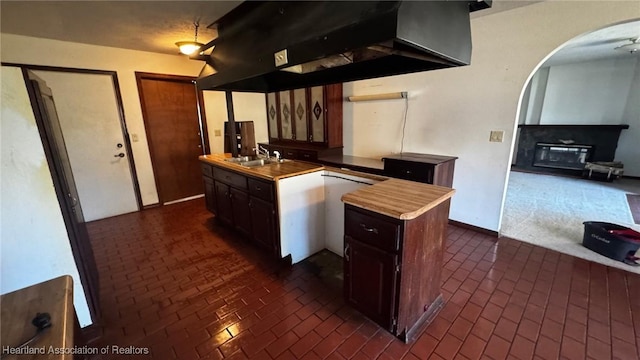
(559, 126)
(602, 138)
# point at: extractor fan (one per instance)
(632, 47)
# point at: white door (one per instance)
(90, 121)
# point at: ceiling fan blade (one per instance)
(617, 41)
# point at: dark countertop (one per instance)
(367, 165)
(423, 158)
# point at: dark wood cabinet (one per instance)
(264, 220)
(223, 200)
(306, 120)
(392, 267)
(245, 203)
(241, 213)
(425, 168)
(370, 278)
(210, 194)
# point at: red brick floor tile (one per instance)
(497, 348)
(448, 347)
(282, 344)
(473, 347)
(572, 349)
(424, 346)
(522, 348)
(175, 281)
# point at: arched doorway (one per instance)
(582, 92)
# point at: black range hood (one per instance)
(272, 46)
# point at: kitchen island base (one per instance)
(393, 253)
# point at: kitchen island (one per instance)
(390, 232)
(393, 248)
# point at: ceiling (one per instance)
(597, 45)
(155, 26)
(140, 25)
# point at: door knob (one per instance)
(120, 155)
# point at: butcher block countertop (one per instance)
(269, 172)
(400, 199)
(18, 308)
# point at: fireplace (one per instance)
(564, 149)
(562, 156)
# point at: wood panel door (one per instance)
(241, 212)
(176, 132)
(370, 281)
(223, 202)
(263, 220)
(44, 109)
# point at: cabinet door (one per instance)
(300, 114)
(263, 220)
(241, 213)
(317, 108)
(223, 201)
(272, 116)
(286, 118)
(210, 194)
(370, 281)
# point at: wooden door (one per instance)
(175, 134)
(370, 281)
(223, 200)
(88, 107)
(46, 115)
(263, 222)
(241, 213)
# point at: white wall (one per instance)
(38, 51)
(588, 93)
(604, 92)
(452, 111)
(34, 245)
(246, 107)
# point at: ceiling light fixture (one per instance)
(632, 48)
(190, 47)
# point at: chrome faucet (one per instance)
(263, 150)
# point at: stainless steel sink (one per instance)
(241, 159)
(261, 162)
(256, 163)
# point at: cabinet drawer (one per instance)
(413, 171)
(230, 178)
(261, 189)
(290, 154)
(207, 170)
(372, 230)
(307, 155)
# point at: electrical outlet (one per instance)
(134, 137)
(496, 136)
(217, 132)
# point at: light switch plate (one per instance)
(134, 137)
(217, 132)
(496, 136)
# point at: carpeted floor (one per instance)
(548, 211)
(634, 206)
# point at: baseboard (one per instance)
(475, 228)
(631, 177)
(151, 206)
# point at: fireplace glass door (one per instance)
(562, 156)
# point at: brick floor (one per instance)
(175, 282)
